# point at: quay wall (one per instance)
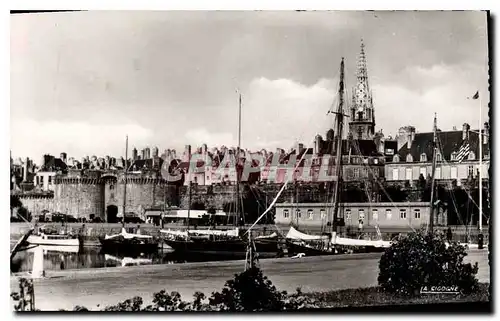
(94, 230)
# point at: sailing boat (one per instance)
(313, 245)
(222, 244)
(124, 241)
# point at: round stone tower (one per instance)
(80, 194)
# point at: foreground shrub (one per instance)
(421, 259)
(248, 291)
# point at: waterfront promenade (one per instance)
(107, 286)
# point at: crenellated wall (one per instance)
(79, 196)
(36, 203)
(142, 193)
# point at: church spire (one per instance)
(362, 72)
(362, 124)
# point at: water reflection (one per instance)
(64, 258)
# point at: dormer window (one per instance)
(472, 156)
(423, 157)
(395, 159)
(438, 157)
(454, 156)
(409, 158)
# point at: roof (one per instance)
(146, 163)
(53, 164)
(448, 142)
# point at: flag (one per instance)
(464, 151)
(476, 96)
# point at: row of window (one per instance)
(423, 171)
(361, 214)
(388, 214)
(439, 158)
(39, 180)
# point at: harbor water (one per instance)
(57, 258)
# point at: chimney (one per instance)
(25, 170)
(465, 131)
(134, 154)
(409, 133)
(317, 144)
(486, 132)
(187, 153)
(300, 148)
(63, 157)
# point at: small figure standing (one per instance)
(449, 235)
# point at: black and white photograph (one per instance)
(251, 161)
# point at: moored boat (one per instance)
(128, 242)
(54, 239)
(235, 248)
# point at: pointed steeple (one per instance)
(362, 122)
(362, 72)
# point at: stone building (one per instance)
(414, 157)
(394, 217)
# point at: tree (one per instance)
(249, 291)
(15, 201)
(419, 260)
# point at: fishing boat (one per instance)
(314, 245)
(221, 244)
(44, 236)
(125, 242)
(330, 242)
(54, 239)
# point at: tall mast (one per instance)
(125, 181)
(189, 203)
(237, 163)
(434, 146)
(481, 137)
(338, 162)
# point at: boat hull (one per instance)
(295, 248)
(39, 240)
(127, 246)
(222, 249)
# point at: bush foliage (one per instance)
(423, 259)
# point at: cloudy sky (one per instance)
(81, 81)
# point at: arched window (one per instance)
(395, 159)
(423, 157)
(472, 156)
(454, 156)
(409, 158)
(438, 157)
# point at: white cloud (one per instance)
(284, 111)
(440, 89)
(34, 139)
(200, 136)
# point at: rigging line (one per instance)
(356, 145)
(286, 182)
(277, 196)
(453, 199)
(473, 202)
